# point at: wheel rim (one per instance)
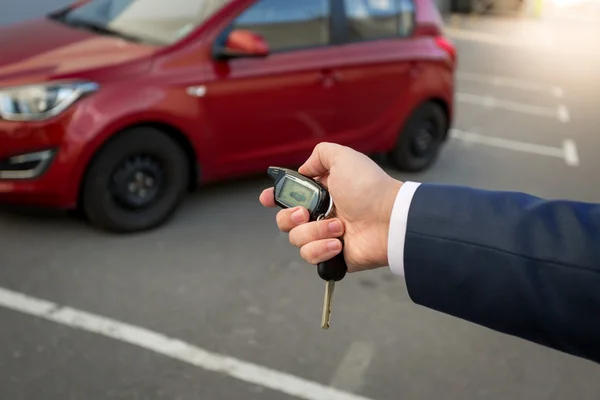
(422, 143)
(138, 183)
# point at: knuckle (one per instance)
(320, 230)
(305, 234)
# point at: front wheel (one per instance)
(136, 182)
(419, 142)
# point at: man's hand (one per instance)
(363, 195)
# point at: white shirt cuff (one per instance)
(398, 224)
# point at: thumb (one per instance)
(321, 160)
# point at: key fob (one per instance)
(334, 269)
(293, 189)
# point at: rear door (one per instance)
(274, 110)
(378, 70)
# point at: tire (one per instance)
(429, 120)
(136, 182)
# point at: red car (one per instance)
(120, 107)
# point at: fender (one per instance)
(91, 131)
(439, 88)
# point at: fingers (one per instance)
(290, 218)
(304, 234)
(318, 241)
(267, 198)
(320, 161)
(323, 180)
(321, 250)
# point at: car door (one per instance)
(274, 110)
(378, 68)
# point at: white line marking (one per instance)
(503, 81)
(492, 102)
(563, 113)
(558, 92)
(568, 152)
(174, 348)
(583, 19)
(495, 39)
(571, 156)
(569, 3)
(349, 374)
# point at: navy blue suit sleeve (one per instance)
(511, 262)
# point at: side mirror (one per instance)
(242, 43)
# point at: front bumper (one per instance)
(26, 166)
(36, 163)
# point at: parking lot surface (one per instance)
(218, 305)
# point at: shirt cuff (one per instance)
(398, 225)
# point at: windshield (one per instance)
(160, 21)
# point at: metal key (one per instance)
(329, 286)
(331, 271)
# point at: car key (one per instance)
(293, 189)
(329, 286)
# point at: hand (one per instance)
(363, 196)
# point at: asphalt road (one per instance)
(222, 278)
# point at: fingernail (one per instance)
(298, 216)
(333, 245)
(335, 227)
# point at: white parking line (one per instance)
(503, 81)
(571, 155)
(174, 348)
(561, 112)
(558, 92)
(568, 152)
(349, 374)
(502, 40)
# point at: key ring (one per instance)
(328, 212)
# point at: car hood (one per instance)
(42, 50)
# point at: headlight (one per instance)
(38, 102)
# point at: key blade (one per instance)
(329, 286)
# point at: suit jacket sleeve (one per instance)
(515, 263)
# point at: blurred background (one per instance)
(220, 276)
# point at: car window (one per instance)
(406, 17)
(162, 21)
(376, 19)
(288, 24)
